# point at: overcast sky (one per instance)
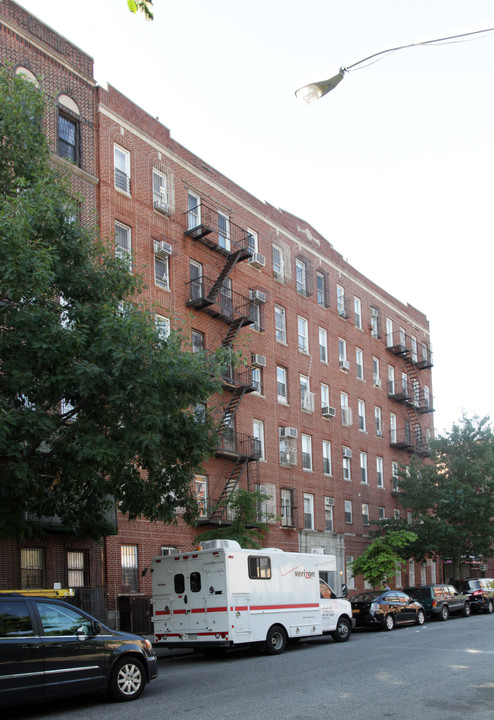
(394, 167)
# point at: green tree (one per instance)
(451, 496)
(96, 407)
(144, 6)
(246, 528)
(379, 561)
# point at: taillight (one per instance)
(434, 603)
(477, 592)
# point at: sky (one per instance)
(394, 167)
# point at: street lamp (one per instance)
(314, 91)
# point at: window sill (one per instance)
(122, 192)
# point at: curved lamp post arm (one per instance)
(314, 91)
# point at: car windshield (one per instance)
(366, 596)
(420, 593)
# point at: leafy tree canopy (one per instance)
(451, 496)
(96, 408)
(246, 527)
(144, 6)
(379, 561)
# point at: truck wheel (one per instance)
(466, 612)
(343, 630)
(275, 640)
(128, 679)
(444, 614)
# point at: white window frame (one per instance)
(392, 427)
(364, 475)
(307, 453)
(278, 263)
(282, 380)
(359, 361)
(194, 210)
(357, 306)
(121, 169)
(160, 190)
(321, 291)
(224, 232)
(350, 580)
(258, 434)
(340, 301)
(257, 380)
(303, 334)
(162, 326)
(348, 512)
(365, 514)
(323, 345)
(324, 395)
(162, 273)
(329, 515)
(286, 496)
(326, 458)
(301, 277)
(124, 251)
(380, 471)
(362, 424)
(201, 494)
(391, 380)
(341, 349)
(252, 241)
(376, 372)
(308, 511)
(389, 332)
(347, 469)
(280, 324)
(378, 421)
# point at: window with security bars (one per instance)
(130, 573)
(286, 507)
(32, 568)
(68, 138)
(77, 575)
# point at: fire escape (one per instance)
(214, 296)
(409, 391)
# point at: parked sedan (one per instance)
(480, 592)
(51, 649)
(386, 609)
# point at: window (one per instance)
(365, 514)
(280, 324)
(160, 191)
(396, 514)
(411, 573)
(195, 284)
(348, 511)
(346, 465)
(308, 511)
(357, 305)
(375, 322)
(427, 396)
(77, 575)
(306, 397)
(17, 622)
(281, 384)
(193, 211)
(162, 326)
(323, 345)
(198, 341)
(413, 341)
(259, 568)
(258, 435)
(379, 472)
(326, 457)
(252, 241)
(266, 509)
(404, 383)
(398, 579)
(306, 452)
(121, 161)
(395, 476)
(278, 264)
(381, 513)
(201, 494)
(350, 580)
(161, 273)
(130, 573)
(286, 507)
(389, 332)
(223, 231)
(322, 289)
(288, 451)
(342, 353)
(67, 411)
(257, 380)
(123, 243)
(301, 277)
(226, 298)
(391, 380)
(255, 316)
(69, 138)
(361, 416)
(378, 421)
(328, 514)
(303, 335)
(376, 379)
(363, 468)
(340, 301)
(62, 621)
(359, 359)
(392, 427)
(346, 413)
(324, 396)
(32, 568)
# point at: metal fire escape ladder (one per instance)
(418, 439)
(232, 481)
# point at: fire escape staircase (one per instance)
(217, 299)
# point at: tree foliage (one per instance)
(246, 528)
(96, 408)
(144, 6)
(451, 497)
(379, 561)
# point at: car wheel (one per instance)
(389, 622)
(420, 620)
(127, 679)
(490, 607)
(467, 610)
(275, 640)
(444, 614)
(343, 631)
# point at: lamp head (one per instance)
(316, 90)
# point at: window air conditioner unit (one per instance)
(377, 383)
(161, 205)
(288, 432)
(347, 453)
(162, 249)
(328, 412)
(328, 502)
(344, 365)
(257, 297)
(258, 360)
(257, 260)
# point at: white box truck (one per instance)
(221, 595)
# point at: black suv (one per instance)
(49, 649)
(440, 600)
(480, 591)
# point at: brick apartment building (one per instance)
(337, 388)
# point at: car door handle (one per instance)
(31, 647)
(58, 646)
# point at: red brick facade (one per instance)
(302, 275)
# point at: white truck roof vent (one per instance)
(220, 543)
